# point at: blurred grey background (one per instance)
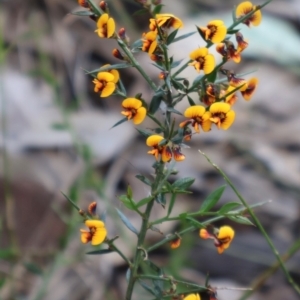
(56, 137)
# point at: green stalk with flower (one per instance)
(217, 92)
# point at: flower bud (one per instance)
(83, 3)
(123, 35)
(117, 54)
(103, 5)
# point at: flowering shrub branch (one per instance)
(217, 89)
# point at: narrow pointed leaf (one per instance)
(144, 201)
(157, 9)
(155, 102)
(191, 101)
(120, 122)
(171, 37)
(171, 204)
(173, 110)
(144, 132)
(233, 31)
(73, 203)
(241, 220)
(137, 44)
(143, 179)
(176, 63)
(212, 199)
(183, 183)
(228, 207)
(126, 222)
(127, 202)
(100, 252)
(184, 36)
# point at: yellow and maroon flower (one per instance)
(202, 60)
(250, 88)
(245, 8)
(149, 42)
(178, 156)
(222, 237)
(215, 31)
(241, 83)
(165, 21)
(163, 151)
(192, 297)
(230, 98)
(221, 115)
(242, 44)
(134, 110)
(105, 83)
(197, 116)
(96, 233)
(105, 26)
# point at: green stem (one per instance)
(141, 237)
(135, 63)
(191, 228)
(115, 248)
(172, 280)
(260, 280)
(258, 224)
(139, 252)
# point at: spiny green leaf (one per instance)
(143, 179)
(184, 36)
(200, 33)
(228, 207)
(171, 204)
(183, 183)
(157, 9)
(173, 110)
(127, 223)
(137, 44)
(241, 220)
(161, 199)
(144, 201)
(120, 122)
(171, 37)
(155, 102)
(144, 132)
(127, 202)
(100, 252)
(233, 31)
(212, 199)
(191, 101)
(176, 63)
